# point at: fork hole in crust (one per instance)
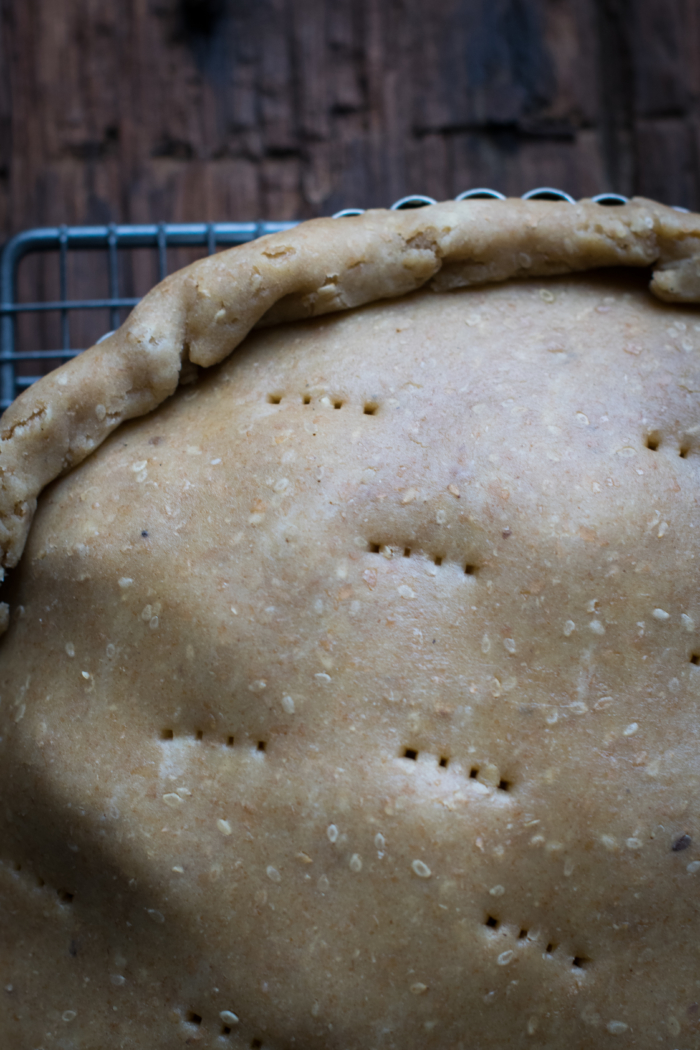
(652, 441)
(522, 935)
(262, 745)
(274, 399)
(580, 962)
(473, 773)
(370, 408)
(695, 659)
(410, 753)
(198, 734)
(504, 785)
(166, 734)
(444, 762)
(230, 741)
(683, 451)
(492, 922)
(192, 1018)
(551, 947)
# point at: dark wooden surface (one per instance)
(143, 110)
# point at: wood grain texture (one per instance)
(143, 110)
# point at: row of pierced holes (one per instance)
(370, 407)
(653, 441)
(169, 734)
(579, 962)
(412, 755)
(194, 1018)
(438, 559)
(64, 896)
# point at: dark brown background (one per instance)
(144, 110)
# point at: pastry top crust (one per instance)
(203, 312)
(350, 698)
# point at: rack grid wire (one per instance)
(110, 240)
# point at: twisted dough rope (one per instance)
(203, 312)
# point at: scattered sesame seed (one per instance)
(125, 581)
(215, 462)
(356, 862)
(405, 591)
(660, 614)
(70, 649)
(85, 674)
(633, 844)
(332, 833)
(138, 467)
(379, 841)
(173, 800)
(616, 1027)
(631, 729)
(422, 870)
(258, 686)
(569, 627)
(157, 916)
(505, 957)
(509, 645)
(117, 980)
(224, 827)
(418, 988)
(597, 627)
(228, 1017)
(288, 705)
(179, 869)
(273, 874)
(497, 891)
(323, 677)
(69, 1015)
(687, 622)
(693, 867)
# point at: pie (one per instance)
(349, 690)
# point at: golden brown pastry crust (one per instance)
(204, 312)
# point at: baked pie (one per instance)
(349, 694)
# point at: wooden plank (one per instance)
(142, 110)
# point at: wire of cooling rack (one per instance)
(110, 240)
(113, 240)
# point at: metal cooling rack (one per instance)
(111, 241)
